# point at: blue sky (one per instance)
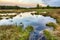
(30, 2)
(53, 2)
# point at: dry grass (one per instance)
(12, 32)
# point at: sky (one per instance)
(30, 3)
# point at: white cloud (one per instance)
(50, 2)
(23, 1)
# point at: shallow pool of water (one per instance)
(37, 21)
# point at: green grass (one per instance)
(51, 24)
(12, 32)
(15, 10)
(48, 35)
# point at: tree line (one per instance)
(11, 7)
(37, 7)
(47, 7)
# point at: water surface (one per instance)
(37, 21)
